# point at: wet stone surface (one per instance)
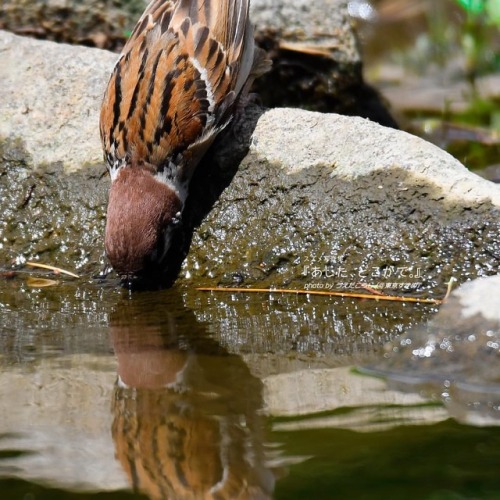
(303, 228)
(49, 214)
(285, 198)
(268, 223)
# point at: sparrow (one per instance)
(179, 80)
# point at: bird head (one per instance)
(142, 212)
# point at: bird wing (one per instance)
(178, 75)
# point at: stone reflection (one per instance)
(186, 413)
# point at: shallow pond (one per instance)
(180, 393)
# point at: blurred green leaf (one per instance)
(493, 11)
(474, 6)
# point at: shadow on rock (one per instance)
(315, 81)
(212, 176)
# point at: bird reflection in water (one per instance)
(187, 421)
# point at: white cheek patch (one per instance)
(115, 168)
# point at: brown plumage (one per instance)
(172, 91)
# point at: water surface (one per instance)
(179, 393)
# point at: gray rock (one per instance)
(316, 59)
(480, 298)
(309, 25)
(326, 201)
(50, 98)
(355, 147)
(100, 23)
(455, 357)
(319, 201)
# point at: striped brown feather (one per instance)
(174, 82)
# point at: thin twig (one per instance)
(321, 292)
(52, 268)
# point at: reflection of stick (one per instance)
(40, 282)
(52, 268)
(321, 292)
